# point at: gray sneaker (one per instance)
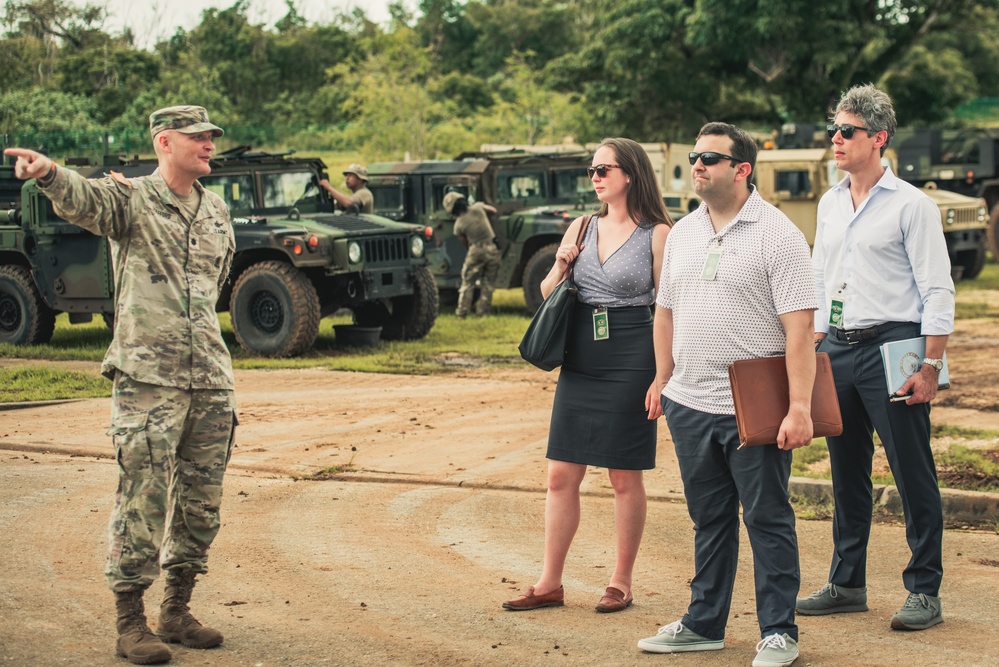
(833, 599)
(919, 612)
(775, 651)
(674, 638)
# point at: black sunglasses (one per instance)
(846, 130)
(601, 170)
(711, 158)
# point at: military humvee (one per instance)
(536, 196)
(296, 261)
(794, 179)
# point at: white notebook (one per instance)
(903, 358)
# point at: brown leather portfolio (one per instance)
(759, 388)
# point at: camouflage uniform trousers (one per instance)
(172, 447)
(482, 261)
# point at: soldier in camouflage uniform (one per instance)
(360, 200)
(173, 411)
(482, 262)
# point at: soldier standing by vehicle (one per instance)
(356, 178)
(173, 408)
(482, 262)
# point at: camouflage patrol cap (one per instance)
(450, 199)
(185, 119)
(358, 170)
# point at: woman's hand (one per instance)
(565, 256)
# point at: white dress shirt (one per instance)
(886, 261)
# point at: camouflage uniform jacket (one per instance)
(474, 225)
(168, 272)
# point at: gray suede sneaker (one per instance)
(776, 651)
(919, 612)
(674, 638)
(833, 599)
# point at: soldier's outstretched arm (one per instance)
(96, 205)
(30, 164)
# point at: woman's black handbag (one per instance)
(546, 337)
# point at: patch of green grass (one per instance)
(31, 383)
(810, 510)
(491, 339)
(332, 472)
(977, 298)
(805, 456)
(988, 279)
(969, 469)
(946, 430)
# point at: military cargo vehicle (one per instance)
(964, 161)
(536, 196)
(296, 261)
(794, 180)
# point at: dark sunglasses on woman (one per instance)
(601, 170)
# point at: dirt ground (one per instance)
(431, 514)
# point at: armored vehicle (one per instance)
(536, 196)
(964, 161)
(296, 260)
(794, 180)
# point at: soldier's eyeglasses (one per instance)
(846, 130)
(711, 158)
(601, 170)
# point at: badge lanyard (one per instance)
(836, 308)
(710, 270)
(601, 325)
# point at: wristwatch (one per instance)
(935, 363)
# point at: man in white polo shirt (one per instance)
(883, 274)
(736, 283)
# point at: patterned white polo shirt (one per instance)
(764, 271)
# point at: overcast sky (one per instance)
(153, 19)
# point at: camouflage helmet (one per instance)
(185, 119)
(358, 170)
(450, 199)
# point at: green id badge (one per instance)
(836, 313)
(710, 269)
(601, 327)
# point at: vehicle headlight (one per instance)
(416, 246)
(950, 216)
(354, 252)
(981, 214)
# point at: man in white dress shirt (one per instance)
(882, 274)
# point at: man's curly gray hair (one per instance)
(873, 106)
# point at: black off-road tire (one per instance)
(404, 317)
(24, 317)
(973, 261)
(274, 310)
(535, 270)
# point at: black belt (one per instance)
(854, 336)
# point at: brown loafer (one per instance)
(531, 601)
(614, 600)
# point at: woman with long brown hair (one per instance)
(606, 403)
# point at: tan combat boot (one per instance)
(176, 623)
(136, 642)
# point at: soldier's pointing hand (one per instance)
(30, 164)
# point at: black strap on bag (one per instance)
(546, 337)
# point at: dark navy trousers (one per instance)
(904, 431)
(717, 477)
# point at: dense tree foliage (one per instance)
(457, 73)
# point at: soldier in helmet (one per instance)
(482, 262)
(173, 409)
(356, 178)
